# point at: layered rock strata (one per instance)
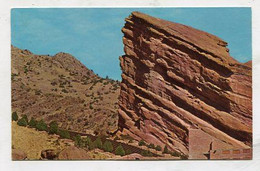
(175, 79)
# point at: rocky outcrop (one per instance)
(73, 153)
(49, 154)
(176, 78)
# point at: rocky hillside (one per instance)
(179, 83)
(60, 88)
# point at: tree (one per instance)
(14, 116)
(158, 148)
(32, 123)
(22, 122)
(25, 117)
(165, 150)
(98, 143)
(78, 141)
(108, 147)
(151, 146)
(120, 151)
(63, 134)
(146, 153)
(53, 127)
(41, 126)
(141, 143)
(128, 151)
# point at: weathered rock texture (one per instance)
(176, 78)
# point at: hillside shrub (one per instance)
(184, 157)
(32, 123)
(141, 143)
(151, 146)
(53, 127)
(78, 141)
(146, 153)
(63, 134)
(98, 143)
(85, 141)
(108, 147)
(14, 116)
(41, 126)
(26, 118)
(22, 122)
(120, 151)
(158, 148)
(175, 153)
(128, 151)
(165, 150)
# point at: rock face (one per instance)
(175, 79)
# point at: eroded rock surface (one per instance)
(176, 78)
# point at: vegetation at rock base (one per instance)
(158, 148)
(98, 143)
(41, 126)
(120, 151)
(22, 122)
(107, 146)
(32, 123)
(141, 143)
(26, 118)
(146, 153)
(78, 141)
(63, 133)
(53, 127)
(165, 150)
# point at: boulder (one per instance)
(73, 153)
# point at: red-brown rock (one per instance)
(176, 78)
(73, 153)
(18, 155)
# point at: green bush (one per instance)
(98, 143)
(14, 116)
(32, 123)
(151, 146)
(128, 151)
(41, 126)
(78, 141)
(184, 157)
(63, 134)
(26, 118)
(22, 122)
(108, 147)
(141, 143)
(86, 141)
(158, 148)
(165, 150)
(53, 127)
(175, 153)
(120, 151)
(146, 153)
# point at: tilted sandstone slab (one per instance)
(176, 78)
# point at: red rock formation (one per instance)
(176, 78)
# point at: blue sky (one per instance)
(93, 35)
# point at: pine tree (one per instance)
(14, 116)
(108, 147)
(32, 123)
(120, 151)
(53, 127)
